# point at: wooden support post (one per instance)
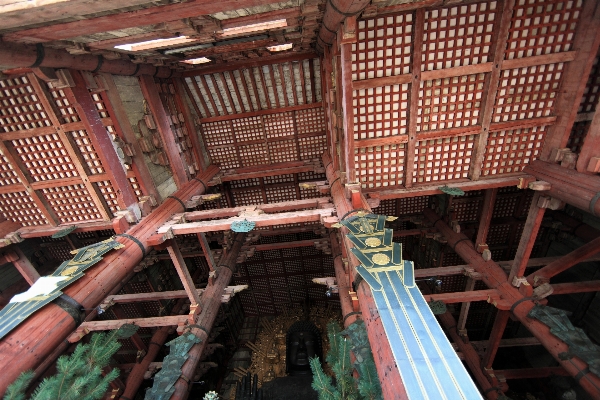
(495, 338)
(7, 227)
(48, 327)
(184, 273)
(347, 109)
(576, 287)
(489, 199)
(22, 264)
(348, 314)
(590, 150)
(101, 140)
(164, 128)
(470, 355)
(530, 231)
(211, 300)
(208, 256)
(387, 370)
(576, 73)
(464, 309)
(493, 276)
(543, 275)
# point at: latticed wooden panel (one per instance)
(467, 209)
(380, 166)
(589, 102)
(89, 153)
(20, 207)
(443, 159)
(527, 92)
(380, 111)
(412, 205)
(72, 203)
(542, 27)
(450, 102)
(66, 110)
(510, 151)
(45, 157)
(8, 176)
(20, 108)
(458, 36)
(258, 88)
(578, 134)
(383, 47)
(266, 139)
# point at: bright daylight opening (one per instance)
(156, 43)
(263, 26)
(280, 47)
(194, 61)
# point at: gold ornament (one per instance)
(380, 259)
(373, 242)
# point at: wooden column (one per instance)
(342, 282)
(494, 276)
(590, 147)
(183, 272)
(22, 264)
(489, 199)
(530, 231)
(470, 355)
(464, 309)
(211, 301)
(495, 337)
(348, 109)
(554, 268)
(162, 120)
(47, 328)
(385, 363)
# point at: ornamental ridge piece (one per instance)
(48, 288)
(428, 365)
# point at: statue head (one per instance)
(303, 343)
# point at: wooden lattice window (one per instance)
(72, 203)
(383, 48)
(450, 102)
(542, 27)
(458, 36)
(380, 111)
(443, 159)
(578, 134)
(589, 102)
(19, 106)
(510, 151)
(527, 92)
(45, 157)
(20, 207)
(380, 166)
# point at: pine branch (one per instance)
(16, 390)
(322, 383)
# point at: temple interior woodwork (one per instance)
(221, 144)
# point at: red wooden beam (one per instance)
(152, 322)
(495, 338)
(466, 185)
(530, 373)
(487, 210)
(493, 276)
(102, 141)
(48, 327)
(459, 297)
(576, 256)
(530, 231)
(576, 287)
(167, 135)
(147, 16)
(183, 272)
(21, 263)
(575, 77)
(348, 109)
(342, 281)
